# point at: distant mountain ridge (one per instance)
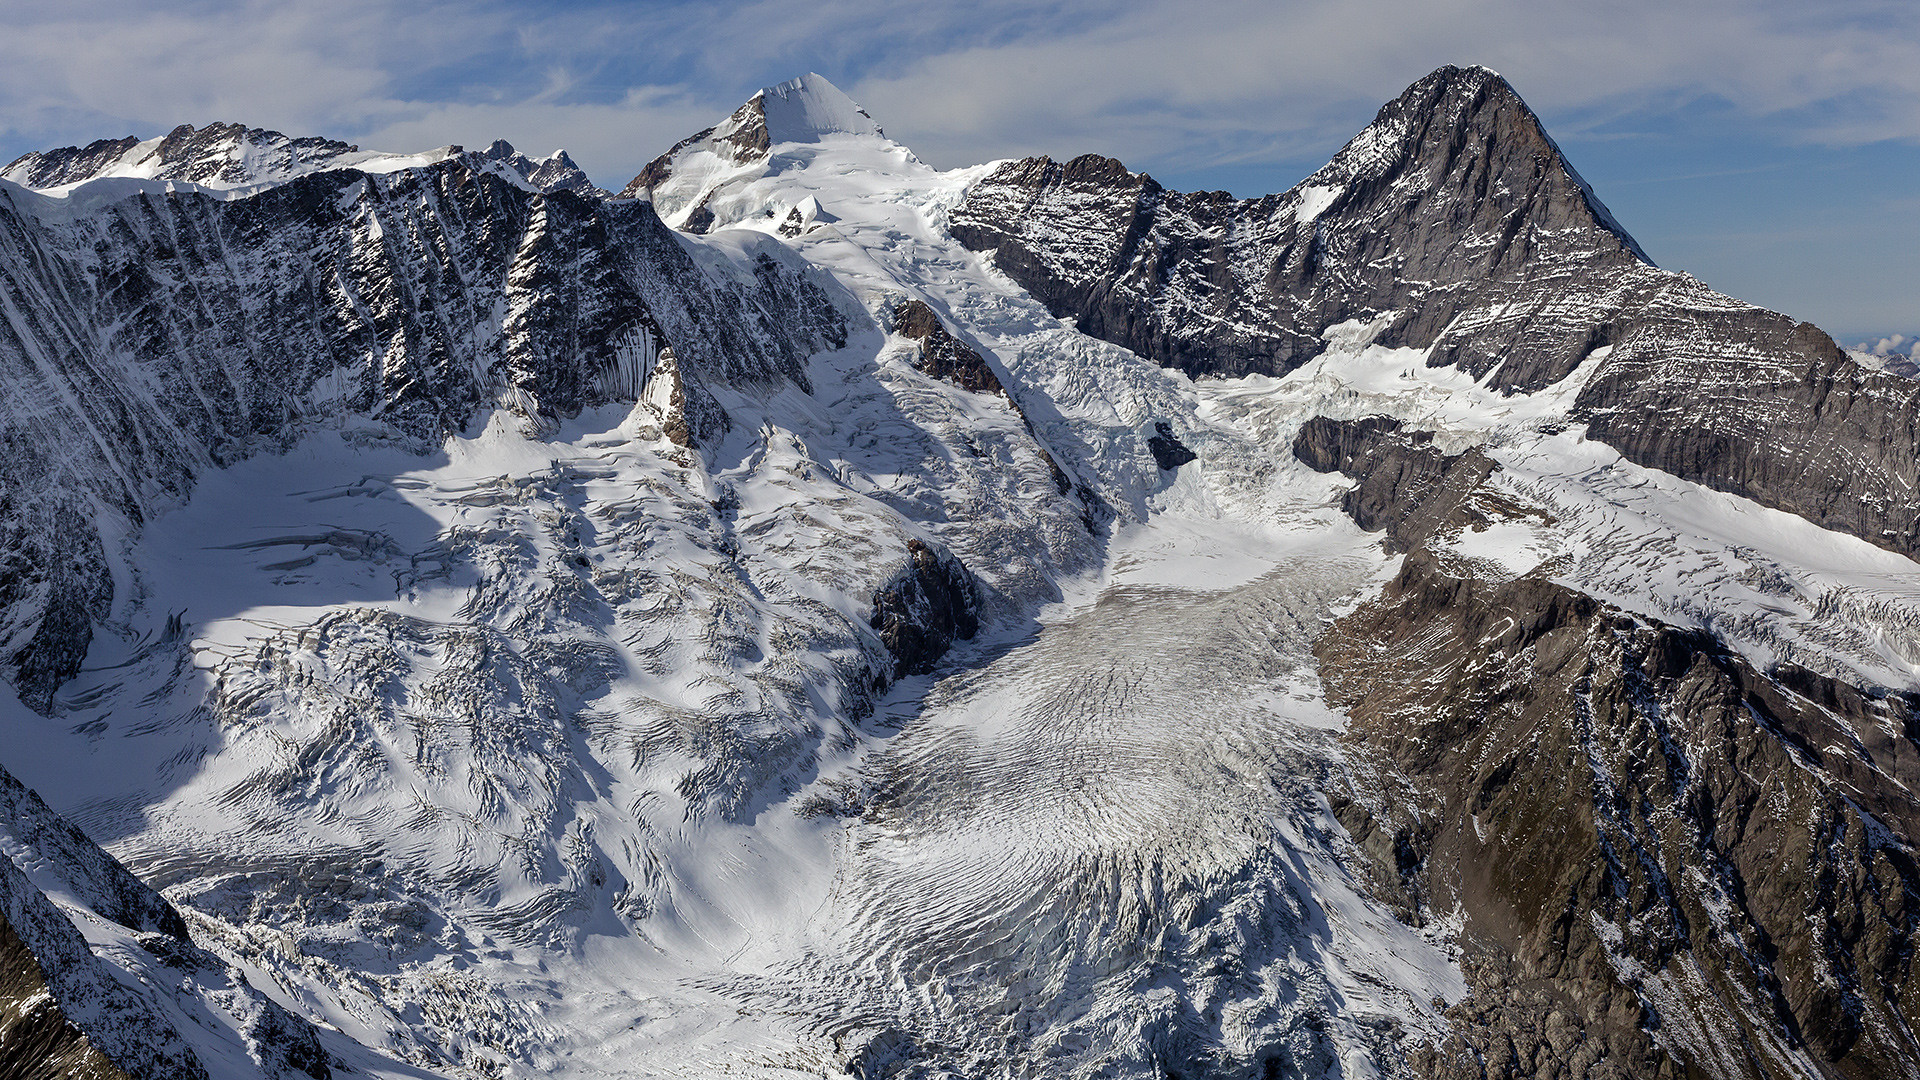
(227, 156)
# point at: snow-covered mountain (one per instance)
(816, 614)
(243, 160)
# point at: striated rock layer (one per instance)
(1635, 822)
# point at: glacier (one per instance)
(464, 608)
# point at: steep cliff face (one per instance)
(99, 976)
(1669, 863)
(164, 334)
(1455, 218)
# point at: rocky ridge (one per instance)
(226, 156)
(1455, 217)
(1634, 820)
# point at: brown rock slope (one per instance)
(1668, 863)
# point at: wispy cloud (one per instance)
(1200, 82)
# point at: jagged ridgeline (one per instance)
(816, 614)
(160, 334)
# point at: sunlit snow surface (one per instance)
(552, 757)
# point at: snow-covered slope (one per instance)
(752, 143)
(519, 639)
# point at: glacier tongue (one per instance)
(552, 748)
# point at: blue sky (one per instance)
(1770, 148)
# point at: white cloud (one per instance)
(1201, 82)
(1231, 79)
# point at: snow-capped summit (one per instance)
(808, 111)
(803, 109)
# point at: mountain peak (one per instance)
(1467, 129)
(555, 172)
(803, 109)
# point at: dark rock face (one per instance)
(1779, 415)
(166, 333)
(941, 354)
(1635, 823)
(1407, 486)
(1456, 213)
(1168, 451)
(931, 603)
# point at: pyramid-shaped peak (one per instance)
(803, 109)
(1466, 131)
(1436, 110)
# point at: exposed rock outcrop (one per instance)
(1636, 826)
(941, 354)
(1407, 487)
(1168, 451)
(1633, 821)
(1453, 193)
(931, 603)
